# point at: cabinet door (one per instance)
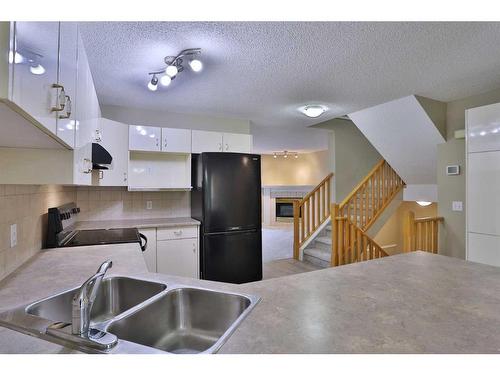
(178, 257)
(86, 110)
(114, 138)
(35, 70)
(483, 200)
(203, 141)
(176, 140)
(237, 143)
(150, 253)
(483, 128)
(144, 138)
(68, 49)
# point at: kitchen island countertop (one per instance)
(408, 303)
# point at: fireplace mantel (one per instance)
(271, 192)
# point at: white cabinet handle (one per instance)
(101, 175)
(157, 142)
(178, 232)
(87, 166)
(227, 147)
(165, 143)
(67, 105)
(124, 176)
(220, 146)
(61, 98)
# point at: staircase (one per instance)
(342, 238)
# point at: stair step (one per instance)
(318, 257)
(324, 240)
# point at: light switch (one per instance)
(13, 235)
(457, 206)
(149, 205)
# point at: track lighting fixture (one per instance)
(285, 154)
(174, 66)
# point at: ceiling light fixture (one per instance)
(285, 154)
(196, 65)
(153, 84)
(174, 66)
(424, 203)
(37, 69)
(313, 111)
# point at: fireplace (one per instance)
(284, 209)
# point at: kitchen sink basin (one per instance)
(137, 316)
(184, 320)
(115, 296)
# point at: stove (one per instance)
(61, 231)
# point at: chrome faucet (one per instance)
(84, 300)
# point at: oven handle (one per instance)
(145, 246)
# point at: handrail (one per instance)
(421, 234)
(310, 213)
(372, 195)
(351, 244)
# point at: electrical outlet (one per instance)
(13, 235)
(149, 205)
(457, 206)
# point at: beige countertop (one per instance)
(411, 303)
(137, 223)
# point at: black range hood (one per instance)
(101, 158)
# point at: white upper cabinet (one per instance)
(203, 141)
(68, 49)
(114, 138)
(35, 68)
(237, 143)
(176, 140)
(483, 128)
(144, 138)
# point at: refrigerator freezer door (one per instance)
(232, 257)
(232, 192)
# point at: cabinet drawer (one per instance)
(177, 233)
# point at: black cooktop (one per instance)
(102, 236)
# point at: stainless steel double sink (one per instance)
(146, 316)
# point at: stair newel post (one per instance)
(296, 218)
(409, 232)
(334, 211)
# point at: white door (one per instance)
(144, 138)
(178, 257)
(237, 143)
(176, 140)
(67, 77)
(203, 141)
(150, 253)
(35, 70)
(114, 138)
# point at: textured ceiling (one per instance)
(263, 71)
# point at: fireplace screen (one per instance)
(284, 207)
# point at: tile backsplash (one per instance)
(111, 203)
(26, 206)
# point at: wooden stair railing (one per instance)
(421, 234)
(310, 212)
(371, 196)
(350, 244)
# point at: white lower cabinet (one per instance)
(178, 257)
(150, 253)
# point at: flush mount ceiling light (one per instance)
(174, 66)
(424, 203)
(313, 111)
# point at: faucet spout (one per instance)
(84, 300)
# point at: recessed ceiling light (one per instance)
(313, 111)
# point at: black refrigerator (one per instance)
(226, 199)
